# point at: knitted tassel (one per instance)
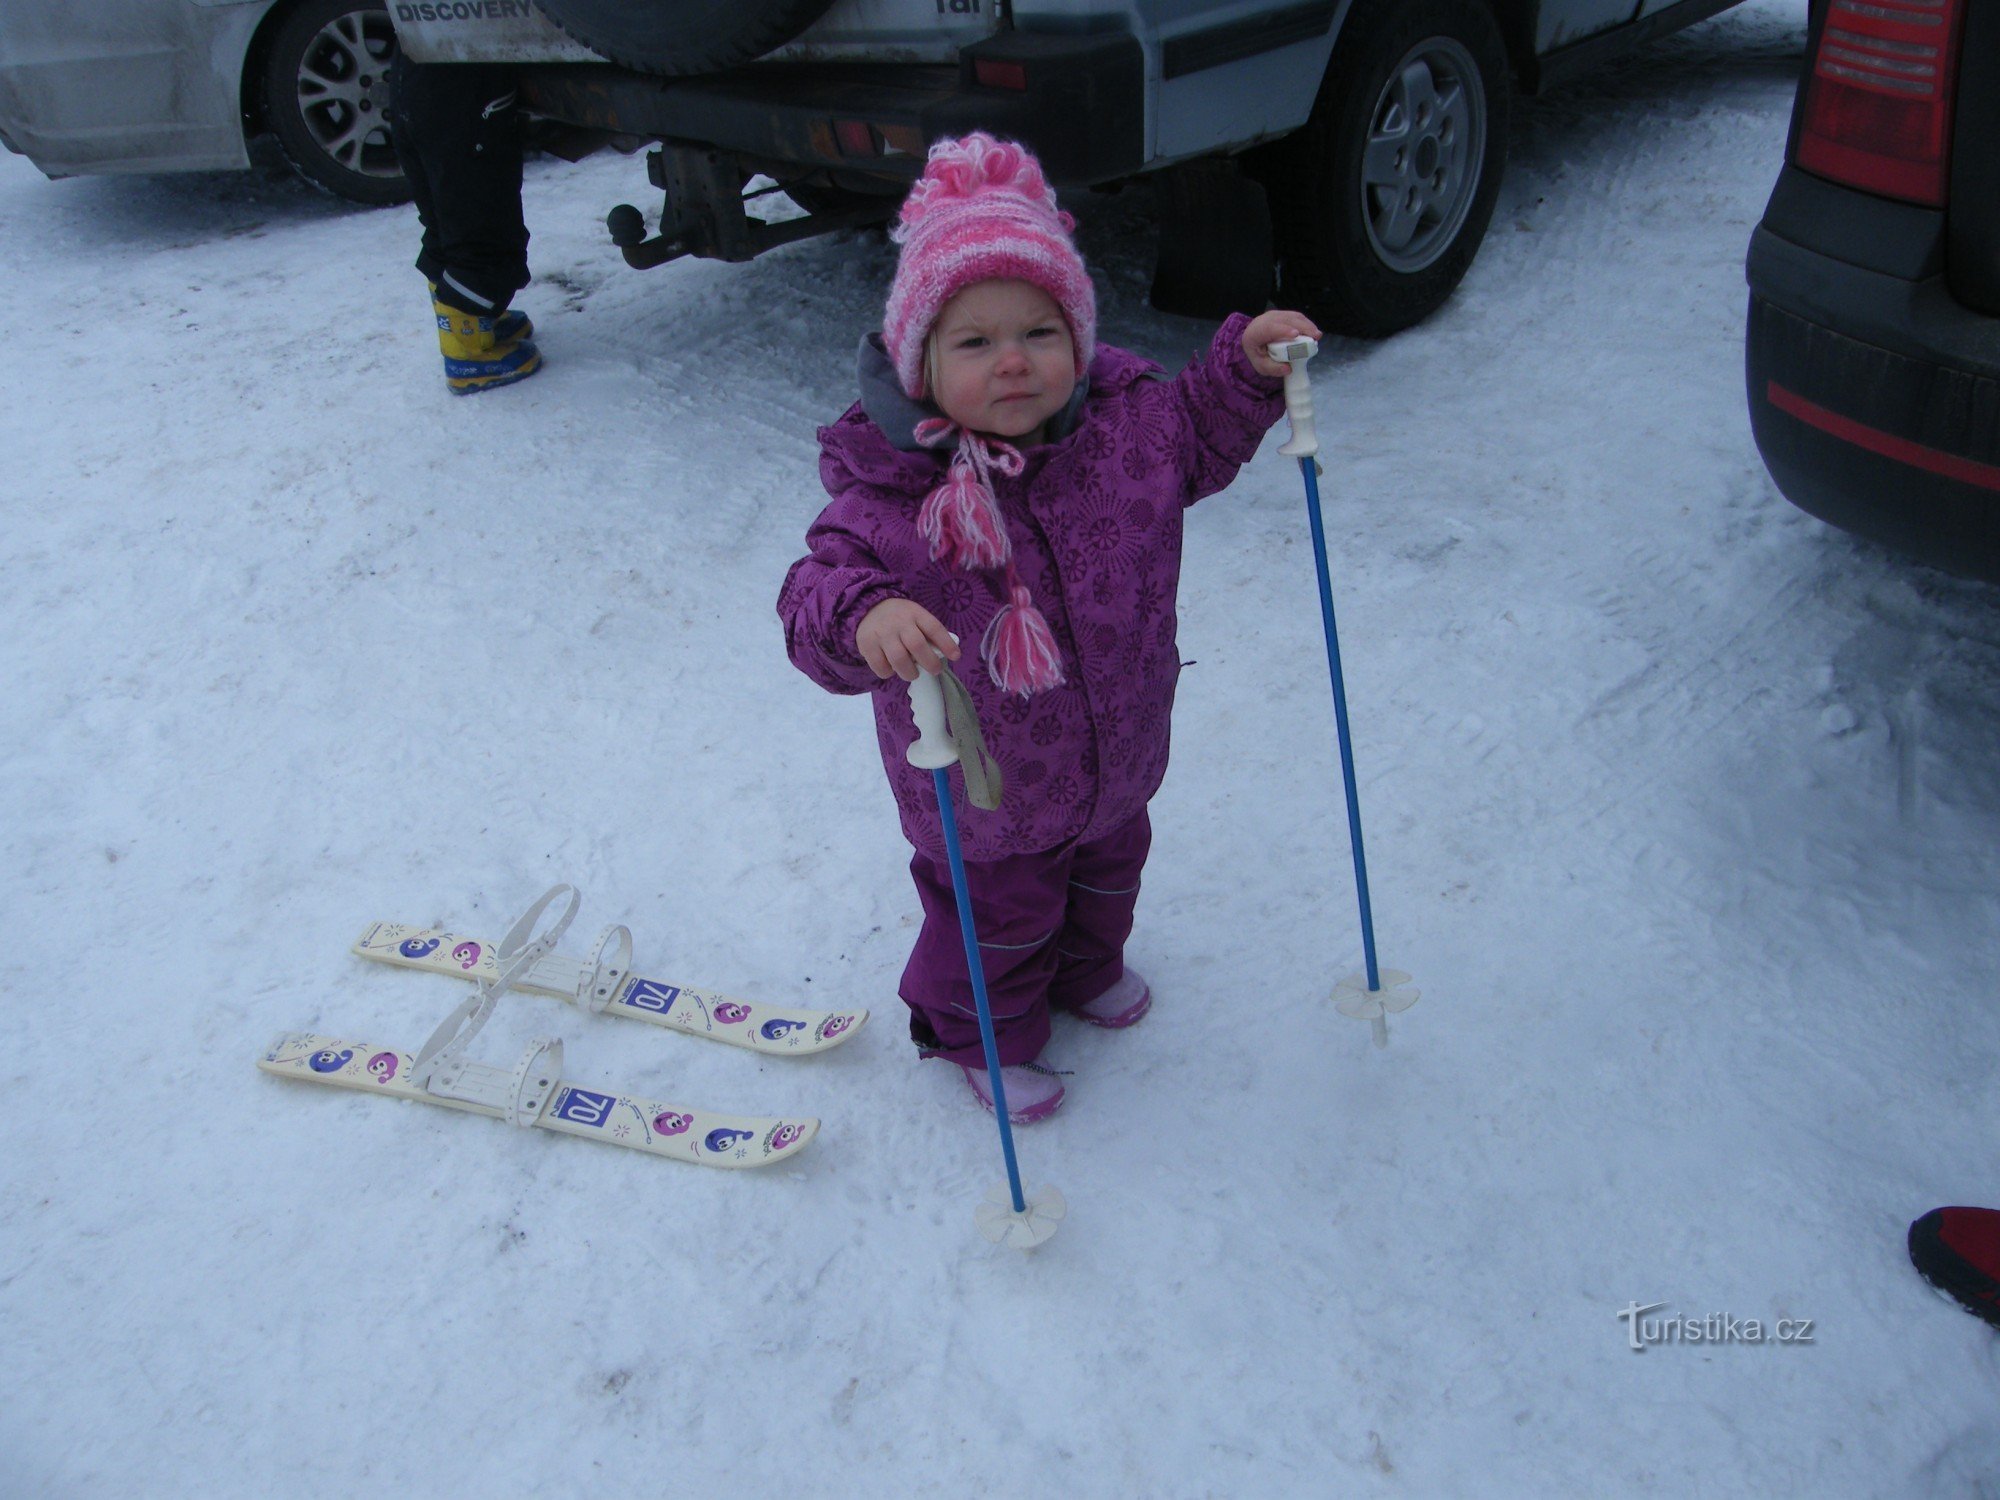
(1019, 647)
(962, 523)
(960, 519)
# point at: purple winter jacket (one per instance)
(1095, 522)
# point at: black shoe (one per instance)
(1957, 1250)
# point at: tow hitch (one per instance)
(705, 214)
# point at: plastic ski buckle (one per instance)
(519, 1095)
(1352, 997)
(600, 976)
(1033, 1225)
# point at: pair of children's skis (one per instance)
(533, 1092)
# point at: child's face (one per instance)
(1006, 362)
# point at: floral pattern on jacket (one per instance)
(1095, 523)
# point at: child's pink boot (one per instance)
(1127, 1000)
(1033, 1091)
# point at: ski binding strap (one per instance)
(599, 978)
(520, 1095)
(441, 1064)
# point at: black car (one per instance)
(1872, 350)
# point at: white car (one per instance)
(180, 85)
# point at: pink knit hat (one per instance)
(982, 211)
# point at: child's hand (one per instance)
(899, 637)
(1271, 328)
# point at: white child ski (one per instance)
(536, 1094)
(604, 983)
(534, 1091)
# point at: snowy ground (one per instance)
(1682, 809)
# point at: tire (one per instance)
(325, 96)
(1380, 201)
(676, 38)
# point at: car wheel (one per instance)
(675, 38)
(1380, 201)
(326, 98)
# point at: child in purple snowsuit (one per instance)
(1006, 481)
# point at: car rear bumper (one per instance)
(1082, 109)
(1874, 395)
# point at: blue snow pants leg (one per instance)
(1052, 930)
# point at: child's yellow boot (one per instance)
(482, 352)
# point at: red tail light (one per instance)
(998, 73)
(856, 138)
(1878, 101)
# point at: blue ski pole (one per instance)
(1362, 995)
(1006, 1216)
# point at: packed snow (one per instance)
(1681, 808)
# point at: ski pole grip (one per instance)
(933, 749)
(1298, 394)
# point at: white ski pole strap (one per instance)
(983, 782)
(955, 740)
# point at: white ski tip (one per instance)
(1352, 997)
(1025, 1230)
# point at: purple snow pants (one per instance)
(1052, 929)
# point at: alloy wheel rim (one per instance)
(343, 92)
(1421, 163)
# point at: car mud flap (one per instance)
(1216, 244)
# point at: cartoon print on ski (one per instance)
(729, 1012)
(782, 1136)
(467, 954)
(381, 935)
(777, 1031)
(832, 1027)
(723, 1139)
(671, 1122)
(330, 1061)
(417, 947)
(383, 1066)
